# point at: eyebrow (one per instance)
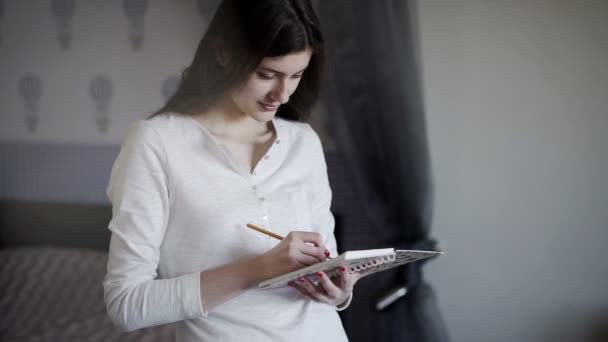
(278, 72)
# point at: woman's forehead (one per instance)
(288, 64)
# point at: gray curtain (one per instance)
(376, 116)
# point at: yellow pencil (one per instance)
(264, 231)
(276, 236)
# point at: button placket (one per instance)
(262, 200)
(265, 221)
(267, 157)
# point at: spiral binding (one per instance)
(372, 263)
(358, 267)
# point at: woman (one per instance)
(228, 149)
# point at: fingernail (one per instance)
(320, 275)
(343, 269)
(290, 283)
(301, 280)
(327, 253)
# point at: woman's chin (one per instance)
(263, 116)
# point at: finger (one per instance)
(314, 291)
(303, 291)
(345, 277)
(330, 288)
(354, 277)
(311, 237)
(305, 259)
(313, 251)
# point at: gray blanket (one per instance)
(55, 294)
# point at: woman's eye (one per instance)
(265, 76)
(297, 76)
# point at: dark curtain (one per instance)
(376, 116)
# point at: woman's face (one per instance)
(271, 85)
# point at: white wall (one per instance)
(517, 102)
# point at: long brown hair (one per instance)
(247, 31)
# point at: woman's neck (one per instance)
(227, 122)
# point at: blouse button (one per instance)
(262, 199)
(266, 157)
(278, 141)
(255, 187)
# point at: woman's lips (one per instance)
(267, 107)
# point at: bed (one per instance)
(52, 263)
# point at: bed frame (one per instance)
(27, 223)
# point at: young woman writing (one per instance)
(230, 148)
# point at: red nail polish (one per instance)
(301, 280)
(320, 275)
(327, 253)
(343, 269)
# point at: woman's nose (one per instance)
(280, 92)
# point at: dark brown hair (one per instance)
(246, 31)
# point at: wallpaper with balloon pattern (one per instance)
(81, 71)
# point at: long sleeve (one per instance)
(322, 217)
(139, 192)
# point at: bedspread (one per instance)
(56, 294)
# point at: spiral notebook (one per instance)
(375, 259)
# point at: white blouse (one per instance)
(180, 204)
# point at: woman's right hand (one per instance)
(296, 250)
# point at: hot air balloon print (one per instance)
(63, 10)
(30, 90)
(100, 90)
(135, 11)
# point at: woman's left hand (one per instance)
(330, 291)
